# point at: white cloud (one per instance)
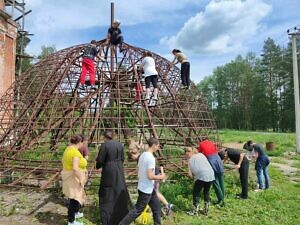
(221, 28)
(63, 14)
(55, 16)
(54, 22)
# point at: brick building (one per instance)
(8, 35)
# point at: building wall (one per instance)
(1, 4)
(8, 35)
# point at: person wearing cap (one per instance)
(114, 35)
(90, 53)
(113, 194)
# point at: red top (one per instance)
(207, 148)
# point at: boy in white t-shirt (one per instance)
(147, 195)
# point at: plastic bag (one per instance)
(145, 218)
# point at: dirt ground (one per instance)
(288, 170)
(24, 207)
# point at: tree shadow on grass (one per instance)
(54, 198)
(91, 212)
(50, 218)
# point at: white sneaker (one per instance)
(147, 97)
(75, 223)
(78, 215)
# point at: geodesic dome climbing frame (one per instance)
(45, 106)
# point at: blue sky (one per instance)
(210, 32)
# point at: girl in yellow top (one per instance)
(185, 67)
(74, 178)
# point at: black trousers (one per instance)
(151, 79)
(198, 186)
(244, 170)
(73, 208)
(185, 74)
(142, 201)
(118, 40)
(114, 41)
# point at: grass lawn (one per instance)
(284, 142)
(279, 205)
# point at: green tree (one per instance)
(271, 64)
(46, 50)
(207, 88)
(287, 119)
(254, 93)
(230, 93)
(23, 59)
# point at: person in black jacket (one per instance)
(114, 35)
(113, 194)
(242, 164)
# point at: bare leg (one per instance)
(162, 199)
(147, 93)
(155, 93)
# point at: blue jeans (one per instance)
(262, 173)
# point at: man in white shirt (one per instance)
(151, 75)
(147, 194)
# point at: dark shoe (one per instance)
(82, 87)
(155, 98)
(169, 209)
(206, 206)
(121, 48)
(238, 196)
(219, 202)
(216, 202)
(194, 211)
